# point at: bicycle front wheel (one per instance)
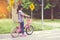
(29, 30)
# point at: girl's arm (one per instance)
(23, 14)
(26, 15)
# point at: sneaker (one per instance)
(23, 35)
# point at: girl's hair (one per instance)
(19, 7)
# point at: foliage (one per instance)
(26, 3)
(48, 5)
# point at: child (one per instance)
(21, 19)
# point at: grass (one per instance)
(38, 26)
(7, 24)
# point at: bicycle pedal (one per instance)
(24, 27)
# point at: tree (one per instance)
(50, 5)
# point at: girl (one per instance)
(21, 16)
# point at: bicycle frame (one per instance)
(28, 22)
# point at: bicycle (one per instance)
(28, 29)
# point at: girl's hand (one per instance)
(28, 16)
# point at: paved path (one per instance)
(38, 35)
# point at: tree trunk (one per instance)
(52, 17)
(14, 11)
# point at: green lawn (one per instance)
(7, 24)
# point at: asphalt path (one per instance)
(37, 35)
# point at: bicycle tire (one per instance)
(32, 29)
(14, 30)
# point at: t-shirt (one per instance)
(20, 16)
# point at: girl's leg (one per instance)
(22, 27)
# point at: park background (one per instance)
(8, 16)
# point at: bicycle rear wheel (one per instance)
(29, 30)
(15, 32)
